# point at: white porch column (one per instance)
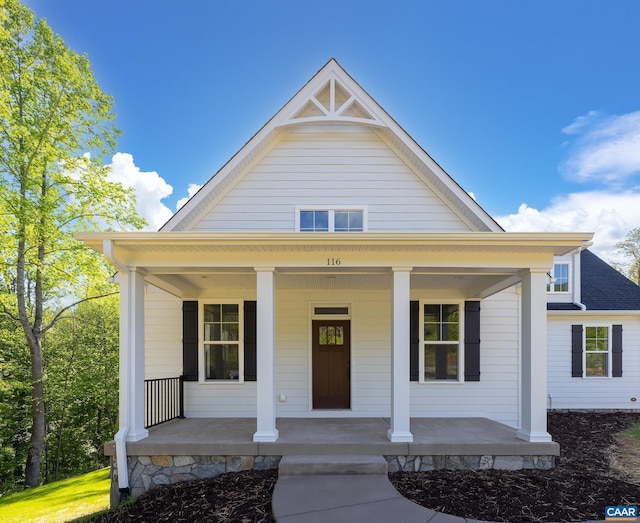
(533, 417)
(265, 359)
(132, 308)
(400, 353)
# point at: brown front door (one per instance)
(331, 360)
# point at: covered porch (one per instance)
(464, 266)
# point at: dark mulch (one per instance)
(240, 497)
(578, 489)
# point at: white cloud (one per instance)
(605, 149)
(150, 189)
(610, 216)
(192, 188)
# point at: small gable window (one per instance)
(221, 340)
(559, 278)
(331, 220)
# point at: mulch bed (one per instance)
(578, 489)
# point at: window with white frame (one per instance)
(331, 220)
(559, 281)
(597, 345)
(221, 341)
(441, 354)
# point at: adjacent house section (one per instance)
(593, 336)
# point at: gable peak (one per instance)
(332, 96)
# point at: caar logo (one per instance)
(621, 513)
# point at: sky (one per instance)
(533, 107)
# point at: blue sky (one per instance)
(534, 107)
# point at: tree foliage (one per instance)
(630, 247)
(56, 125)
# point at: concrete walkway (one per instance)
(344, 489)
(349, 489)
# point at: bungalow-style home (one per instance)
(331, 290)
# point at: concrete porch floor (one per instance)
(318, 436)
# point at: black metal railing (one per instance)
(163, 400)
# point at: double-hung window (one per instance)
(597, 351)
(441, 354)
(331, 220)
(559, 278)
(223, 358)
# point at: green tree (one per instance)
(81, 387)
(56, 127)
(630, 247)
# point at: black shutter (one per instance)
(576, 351)
(250, 341)
(190, 340)
(616, 351)
(472, 341)
(414, 337)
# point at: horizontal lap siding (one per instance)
(592, 393)
(342, 167)
(496, 395)
(163, 334)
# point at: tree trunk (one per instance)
(38, 429)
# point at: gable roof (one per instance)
(332, 96)
(604, 288)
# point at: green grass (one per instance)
(59, 501)
(633, 431)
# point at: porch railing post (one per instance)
(181, 396)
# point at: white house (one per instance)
(331, 274)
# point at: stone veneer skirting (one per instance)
(148, 472)
(428, 463)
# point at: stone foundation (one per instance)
(148, 472)
(428, 463)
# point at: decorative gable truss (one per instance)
(334, 102)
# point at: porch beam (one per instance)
(400, 354)
(265, 359)
(533, 422)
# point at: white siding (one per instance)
(496, 395)
(592, 393)
(163, 334)
(336, 166)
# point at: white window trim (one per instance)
(553, 278)
(314, 316)
(609, 351)
(332, 209)
(201, 344)
(460, 379)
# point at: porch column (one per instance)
(533, 416)
(132, 376)
(265, 359)
(400, 353)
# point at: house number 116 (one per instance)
(334, 261)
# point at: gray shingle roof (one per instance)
(604, 288)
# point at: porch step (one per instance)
(334, 465)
